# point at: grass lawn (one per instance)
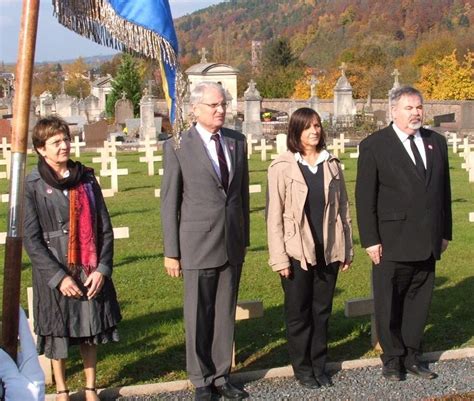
(152, 334)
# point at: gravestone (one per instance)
(95, 134)
(444, 118)
(343, 101)
(147, 116)
(467, 116)
(5, 130)
(123, 110)
(133, 127)
(252, 123)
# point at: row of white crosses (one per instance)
(467, 154)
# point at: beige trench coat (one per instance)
(288, 230)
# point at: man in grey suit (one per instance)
(205, 218)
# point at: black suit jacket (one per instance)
(409, 216)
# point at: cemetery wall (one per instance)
(432, 107)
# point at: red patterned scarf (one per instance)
(82, 251)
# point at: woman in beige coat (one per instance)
(309, 240)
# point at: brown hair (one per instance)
(48, 127)
(300, 120)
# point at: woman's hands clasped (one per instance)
(94, 284)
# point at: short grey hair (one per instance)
(405, 90)
(198, 92)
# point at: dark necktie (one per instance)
(420, 167)
(222, 162)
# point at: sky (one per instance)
(54, 42)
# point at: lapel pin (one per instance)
(49, 191)
(430, 147)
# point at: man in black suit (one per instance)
(205, 218)
(403, 200)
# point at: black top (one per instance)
(314, 206)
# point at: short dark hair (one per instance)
(46, 128)
(300, 120)
(405, 90)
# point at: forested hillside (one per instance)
(371, 36)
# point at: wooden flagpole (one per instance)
(21, 109)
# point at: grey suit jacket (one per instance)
(202, 224)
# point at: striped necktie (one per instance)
(222, 162)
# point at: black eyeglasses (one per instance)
(215, 105)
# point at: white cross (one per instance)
(5, 146)
(355, 155)
(280, 145)
(104, 158)
(454, 140)
(250, 143)
(255, 188)
(335, 147)
(77, 144)
(114, 173)
(342, 142)
(149, 158)
(7, 163)
(263, 148)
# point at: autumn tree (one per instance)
(77, 80)
(448, 78)
(111, 67)
(127, 80)
(46, 77)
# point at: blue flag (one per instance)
(139, 26)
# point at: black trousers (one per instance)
(308, 304)
(402, 297)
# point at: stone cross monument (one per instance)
(252, 123)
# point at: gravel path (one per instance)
(456, 377)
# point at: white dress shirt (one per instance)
(210, 146)
(323, 156)
(404, 138)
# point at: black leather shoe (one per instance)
(309, 382)
(421, 371)
(230, 392)
(203, 393)
(391, 373)
(324, 380)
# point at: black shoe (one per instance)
(421, 371)
(324, 380)
(203, 393)
(230, 392)
(309, 382)
(392, 373)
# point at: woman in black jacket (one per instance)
(69, 239)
